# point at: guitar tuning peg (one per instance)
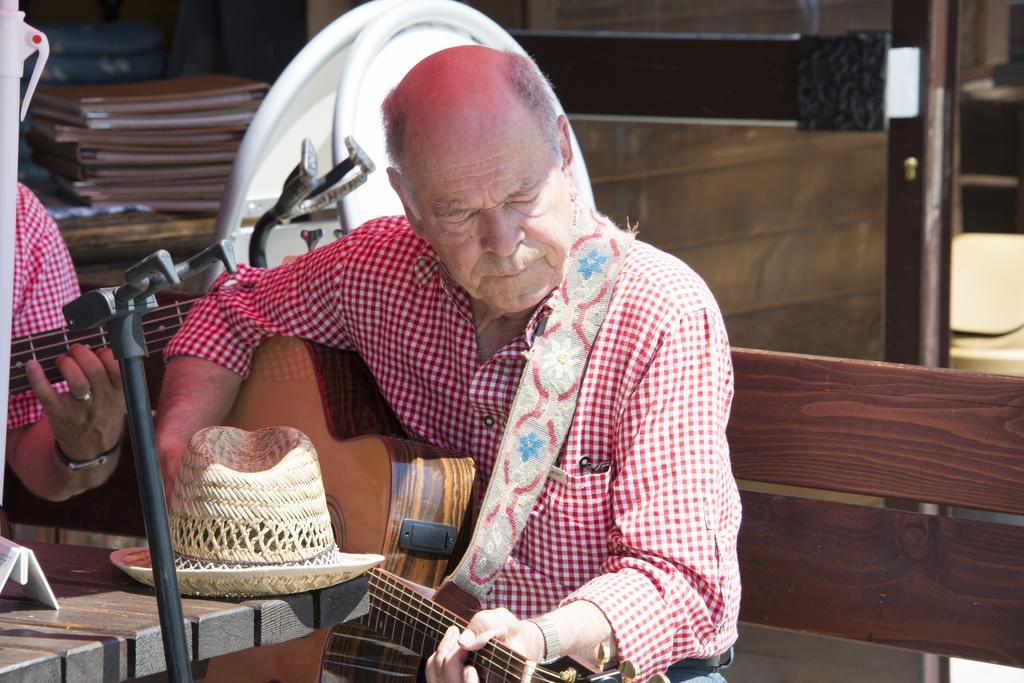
(602, 655)
(658, 678)
(628, 671)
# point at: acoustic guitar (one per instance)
(373, 484)
(418, 618)
(376, 484)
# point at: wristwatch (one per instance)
(552, 644)
(79, 465)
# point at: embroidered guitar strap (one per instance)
(545, 401)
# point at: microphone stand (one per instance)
(121, 309)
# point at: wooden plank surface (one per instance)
(937, 584)
(108, 626)
(19, 665)
(936, 436)
(284, 618)
(133, 235)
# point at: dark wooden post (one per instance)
(920, 207)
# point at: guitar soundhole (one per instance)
(337, 520)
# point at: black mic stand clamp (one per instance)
(121, 309)
(303, 193)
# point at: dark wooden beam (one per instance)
(920, 204)
(667, 75)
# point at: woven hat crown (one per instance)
(250, 498)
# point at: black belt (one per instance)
(719, 661)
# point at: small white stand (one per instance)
(20, 563)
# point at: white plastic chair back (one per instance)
(987, 302)
(334, 87)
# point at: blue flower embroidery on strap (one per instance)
(530, 445)
(592, 263)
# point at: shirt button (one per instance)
(488, 420)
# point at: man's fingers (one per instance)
(90, 364)
(470, 640)
(446, 664)
(110, 364)
(40, 385)
(78, 383)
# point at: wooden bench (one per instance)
(887, 575)
(934, 583)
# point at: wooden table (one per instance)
(107, 628)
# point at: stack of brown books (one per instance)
(167, 144)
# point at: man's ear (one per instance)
(398, 185)
(565, 146)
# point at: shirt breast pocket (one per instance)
(577, 507)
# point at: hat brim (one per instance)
(251, 581)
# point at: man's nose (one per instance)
(502, 233)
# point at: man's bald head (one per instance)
(466, 86)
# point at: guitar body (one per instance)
(373, 482)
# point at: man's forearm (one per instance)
(581, 627)
(195, 393)
(31, 455)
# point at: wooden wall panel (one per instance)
(845, 326)
(786, 226)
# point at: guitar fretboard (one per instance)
(405, 617)
(158, 327)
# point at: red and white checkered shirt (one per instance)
(651, 540)
(44, 280)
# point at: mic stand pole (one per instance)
(121, 310)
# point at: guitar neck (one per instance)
(158, 327)
(402, 615)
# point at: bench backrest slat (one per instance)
(936, 436)
(938, 584)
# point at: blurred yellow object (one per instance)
(987, 303)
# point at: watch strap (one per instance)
(552, 643)
(79, 465)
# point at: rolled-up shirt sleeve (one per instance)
(670, 587)
(299, 299)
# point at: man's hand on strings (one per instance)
(448, 663)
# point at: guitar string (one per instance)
(483, 657)
(20, 375)
(149, 322)
(429, 631)
(433, 608)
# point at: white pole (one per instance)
(17, 41)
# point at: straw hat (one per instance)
(250, 517)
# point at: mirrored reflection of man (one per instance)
(62, 438)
